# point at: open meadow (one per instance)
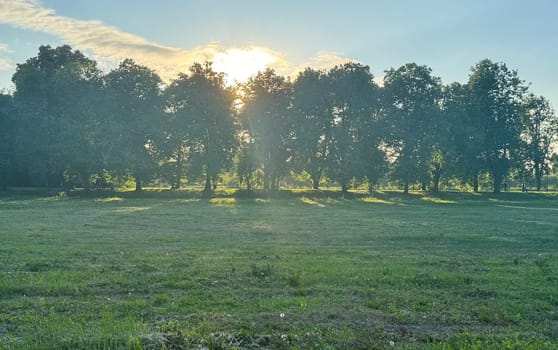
(455, 271)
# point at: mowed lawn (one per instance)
(460, 271)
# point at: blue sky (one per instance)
(168, 35)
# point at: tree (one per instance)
(412, 102)
(55, 99)
(134, 104)
(497, 96)
(247, 164)
(354, 115)
(465, 135)
(540, 130)
(7, 134)
(203, 121)
(312, 110)
(267, 117)
(372, 145)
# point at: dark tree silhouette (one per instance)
(465, 137)
(497, 96)
(67, 123)
(354, 107)
(8, 130)
(540, 131)
(56, 98)
(135, 106)
(247, 164)
(312, 114)
(412, 101)
(267, 117)
(203, 122)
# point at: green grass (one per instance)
(306, 271)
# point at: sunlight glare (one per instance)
(240, 64)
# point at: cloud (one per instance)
(326, 60)
(102, 41)
(109, 45)
(321, 61)
(5, 63)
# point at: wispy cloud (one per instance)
(5, 63)
(100, 40)
(108, 44)
(321, 61)
(325, 60)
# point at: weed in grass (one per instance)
(293, 280)
(426, 280)
(261, 271)
(135, 344)
(545, 264)
(492, 316)
(375, 304)
(172, 336)
(421, 305)
(161, 300)
(386, 272)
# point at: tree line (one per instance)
(68, 123)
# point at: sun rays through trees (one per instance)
(69, 124)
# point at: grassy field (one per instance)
(460, 271)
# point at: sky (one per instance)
(244, 36)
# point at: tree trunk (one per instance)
(406, 187)
(138, 184)
(176, 184)
(86, 183)
(497, 184)
(436, 176)
(538, 176)
(436, 184)
(476, 183)
(267, 173)
(207, 187)
(248, 184)
(423, 186)
(315, 182)
(316, 179)
(266, 180)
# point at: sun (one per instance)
(241, 64)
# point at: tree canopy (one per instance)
(70, 124)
